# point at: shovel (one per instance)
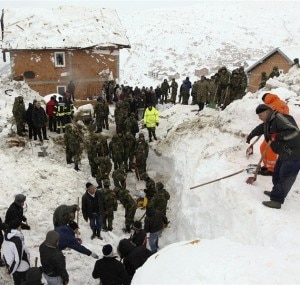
(250, 180)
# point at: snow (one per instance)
(219, 233)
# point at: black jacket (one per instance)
(87, 204)
(287, 143)
(154, 221)
(15, 212)
(133, 256)
(53, 261)
(110, 271)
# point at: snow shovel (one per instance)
(249, 150)
(250, 180)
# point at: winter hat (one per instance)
(73, 225)
(20, 198)
(107, 250)
(137, 225)
(261, 108)
(87, 185)
(52, 238)
(34, 276)
(14, 224)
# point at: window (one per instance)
(59, 59)
(61, 90)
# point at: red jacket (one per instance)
(50, 107)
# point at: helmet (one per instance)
(106, 182)
(144, 176)
(159, 186)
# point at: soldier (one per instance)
(116, 151)
(263, 80)
(119, 177)
(174, 86)
(91, 148)
(131, 125)
(111, 205)
(165, 89)
(130, 206)
(73, 139)
(194, 93)
(224, 81)
(19, 114)
(129, 149)
(201, 92)
(150, 186)
(141, 154)
(106, 114)
(244, 81)
(275, 72)
(119, 117)
(100, 113)
(212, 89)
(104, 169)
(160, 198)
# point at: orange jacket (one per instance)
(275, 103)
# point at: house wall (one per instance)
(267, 65)
(87, 68)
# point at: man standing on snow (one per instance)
(151, 120)
(284, 134)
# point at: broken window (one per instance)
(59, 59)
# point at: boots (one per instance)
(272, 204)
(76, 167)
(93, 235)
(268, 193)
(98, 234)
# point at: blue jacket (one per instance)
(67, 239)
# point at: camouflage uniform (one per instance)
(104, 169)
(174, 86)
(224, 81)
(130, 206)
(106, 112)
(212, 89)
(102, 146)
(160, 199)
(19, 113)
(275, 72)
(111, 205)
(73, 138)
(116, 151)
(244, 80)
(129, 149)
(141, 154)
(201, 92)
(165, 89)
(263, 81)
(119, 177)
(91, 148)
(131, 125)
(150, 186)
(120, 117)
(100, 114)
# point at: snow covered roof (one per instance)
(62, 28)
(290, 53)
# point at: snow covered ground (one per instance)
(219, 233)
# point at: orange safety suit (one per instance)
(275, 103)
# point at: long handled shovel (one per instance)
(218, 179)
(250, 180)
(249, 150)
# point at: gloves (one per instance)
(249, 137)
(93, 254)
(274, 137)
(157, 124)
